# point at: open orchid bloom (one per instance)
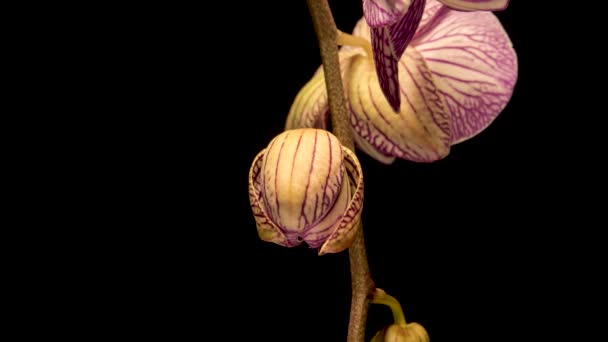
(393, 24)
(455, 77)
(307, 187)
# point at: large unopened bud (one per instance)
(307, 187)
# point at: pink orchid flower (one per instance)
(393, 24)
(455, 77)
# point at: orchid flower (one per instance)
(393, 24)
(307, 187)
(455, 77)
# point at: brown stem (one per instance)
(362, 283)
(362, 286)
(327, 35)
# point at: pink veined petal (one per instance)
(474, 67)
(388, 44)
(384, 12)
(476, 5)
(433, 13)
(403, 31)
(420, 131)
(386, 65)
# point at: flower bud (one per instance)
(305, 186)
(412, 332)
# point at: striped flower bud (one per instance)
(306, 187)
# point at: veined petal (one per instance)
(421, 129)
(388, 44)
(267, 230)
(367, 148)
(476, 5)
(344, 233)
(433, 13)
(384, 12)
(403, 31)
(318, 233)
(386, 65)
(474, 67)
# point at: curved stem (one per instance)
(361, 281)
(381, 297)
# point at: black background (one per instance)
(468, 244)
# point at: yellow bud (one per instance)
(412, 332)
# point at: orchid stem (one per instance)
(361, 281)
(327, 35)
(381, 297)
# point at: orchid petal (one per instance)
(343, 235)
(388, 44)
(476, 5)
(368, 148)
(421, 129)
(386, 66)
(267, 230)
(433, 13)
(403, 31)
(318, 233)
(384, 12)
(474, 67)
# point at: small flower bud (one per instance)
(412, 332)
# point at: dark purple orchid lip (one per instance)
(388, 44)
